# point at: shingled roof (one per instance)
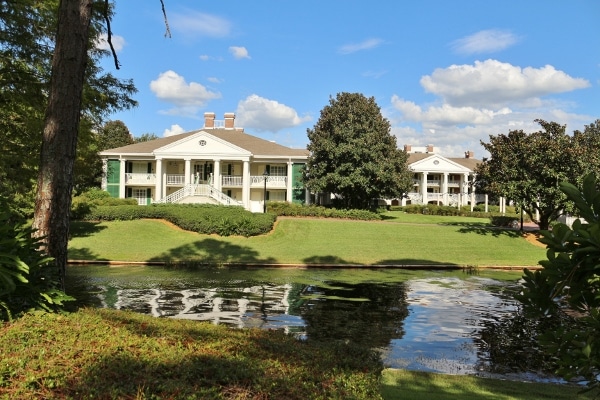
(253, 144)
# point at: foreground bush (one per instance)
(201, 218)
(568, 286)
(108, 354)
(28, 279)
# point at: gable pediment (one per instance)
(437, 163)
(201, 144)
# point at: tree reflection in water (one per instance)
(365, 314)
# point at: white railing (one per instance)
(202, 191)
(139, 179)
(175, 179)
(231, 180)
(272, 181)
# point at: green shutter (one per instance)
(113, 171)
(148, 196)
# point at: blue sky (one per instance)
(447, 73)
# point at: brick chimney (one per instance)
(407, 148)
(469, 154)
(229, 120)
(430, 148)
(209, 119)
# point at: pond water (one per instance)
(438, 321)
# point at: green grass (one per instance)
(108, 354)
(400, 384)
(402, 240)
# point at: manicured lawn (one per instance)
(400, 384)
(453, 241)
(109, 354)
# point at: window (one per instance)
(277, 170)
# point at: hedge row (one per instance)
(201, 218)
(297, 210)
(496, 218)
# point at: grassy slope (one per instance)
(310, 241)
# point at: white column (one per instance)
(424, 187)
(187, 178)
(217, 175)
(158, 190)
(288, 183)
(246, 185)
(104, 184)
(445, 188)
(486, 203)
(465, 189)
(122, 178)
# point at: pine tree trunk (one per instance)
(59, 142)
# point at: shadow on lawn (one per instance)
(205, 363)
(485, 230)
(212, 251)
(84, 228)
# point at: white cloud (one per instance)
(239, 52)
(118, 42)
(197, 24)
(213, 79)
(262, 114)
(494, 83)
(187, 97)
(175, 130)
(364, 45)
(486, 41)
(483, 99)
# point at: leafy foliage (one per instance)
(298, 210)
(201, 218)
(114, 134)
(28, 280)
(353, 154)
(27, 34)
(527, 168)
(146, 137)
(569, 286)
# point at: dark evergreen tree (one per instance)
(353, 155)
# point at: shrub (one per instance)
(84, 204)
(298, 210)
(28, 279)
(201, 218)
(568, 286)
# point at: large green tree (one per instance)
(527, 168)
(353, 155)
(26, 47)
(114, 134)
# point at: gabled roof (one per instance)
(255, 145)
(425, 161)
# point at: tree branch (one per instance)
(109, 34)
(168, 31)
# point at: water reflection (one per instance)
(428, 320)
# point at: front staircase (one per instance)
(200, 191)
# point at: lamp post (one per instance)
(265, 176)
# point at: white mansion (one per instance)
(220, 163)
(441, 180)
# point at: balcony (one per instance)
(273, 182)
(140, 179)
